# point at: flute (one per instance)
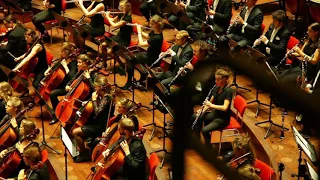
(162, 56)
(144, 27)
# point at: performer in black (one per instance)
(148, 8)
(274, 43)
(248, 27)
(135, 161)
(218, 16)
(217, 114)
(46, 15)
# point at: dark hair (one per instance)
(279, 15)
(32, 33)
(85, 59)
(315, 27)
(203, 46)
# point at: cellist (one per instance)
(13, 107)
(102, 99)
(6, 92)
(70, 67)
(134, 166)
(38, 51)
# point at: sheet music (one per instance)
(312, 172)
(304, 145)
(72, 148)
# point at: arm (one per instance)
(136, 156)
(73, 70)
(37, 48)
(140, 38)
(74, 78)
(225, 15)
(256, 27)
(282, 45)
(87, 12)
(196, 7)
(184, 59)
(115, 24)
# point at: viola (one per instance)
(8, 135)
(13, 157)
(52, 80)
(109, 165)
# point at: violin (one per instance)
(13, 157)
(53, 79)
(108, 166)
(8, 135)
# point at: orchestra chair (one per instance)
(240, 105)
(44, 156)
(52, 24)
(291, 44)
(266, 172)
(153, 163)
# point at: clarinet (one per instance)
(203, 109)
(234, 22)
(181, 70)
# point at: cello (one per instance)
(108, 166)
(52, 80)
(13, 157)
(8, 135)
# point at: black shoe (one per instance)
(53, 121)
(127, 86)
(82, 157)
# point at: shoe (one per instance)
(53, 121)
(127, 86)
(82, 157)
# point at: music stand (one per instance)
(11, 76)
(311, 172)
(308, 150)
(62, 22)
(68, 145)
(40, 103)
(256, 57)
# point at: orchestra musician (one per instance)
(218, 17)
(154, 43)
(246, 27)
(102, 99)
(6, 92)
(96, 26)
(123, 38)
(135, 153)
(37, 169)
(274, 43)
(16, 44)
(46, 15)
(83, 63)
(306, 53)
(193, 8)
(13, 107)
(244, 159)
(218, 112)
(148, 8)
(182, 54)
(37, 51)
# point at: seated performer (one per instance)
(83, 63)
(69, 64)
(218, 16)
(217, 114)
(6, 92)
(32, 158)
(13, 107)
(274, 43)
(102, 100)
(193, 8)
(248, 25)
(154, 41)
(182, 54)
(96, 26)
(307, 55)
(38, 52)
(135, 154)
(46, 15)
(148, 8)
(123, 38)
(244, 166)
(16, 45)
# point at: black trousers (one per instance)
(241, 40)
(141, 58)
(38, 77)
(195, 31)
(166, 77)
(148, 9)
(290, 75)
(54, 96)
(178, 23)
(210, 123)
(40, 18)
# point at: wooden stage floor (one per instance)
(271, 150)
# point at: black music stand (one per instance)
(62, 22)
(270, 71)
(41, 103)
(256, 57)
(116, 51)
(11, 76)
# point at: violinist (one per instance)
(244, 158)
(70, 67)
(274, 43)
(154, 41)
(13, 107)
(46, 15)
(123, 38)
(102, 99)
(6, 92)
(308, 54)
(38, 170)
(16, 44)
(96, 26)
(134, 166)
(218, 112)
(83, 62)
(37, 53)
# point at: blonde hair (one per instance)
(157, 20)
(101, 81)
(223, 73)
(126, 124)
(127, 5)
(6, 91)
(17, 103)
(28, 126)
(126, 103)
(182, 34)
(84, 58)
(69, 47)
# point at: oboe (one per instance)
(204, 108)
(234, 21)
(181, 70)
